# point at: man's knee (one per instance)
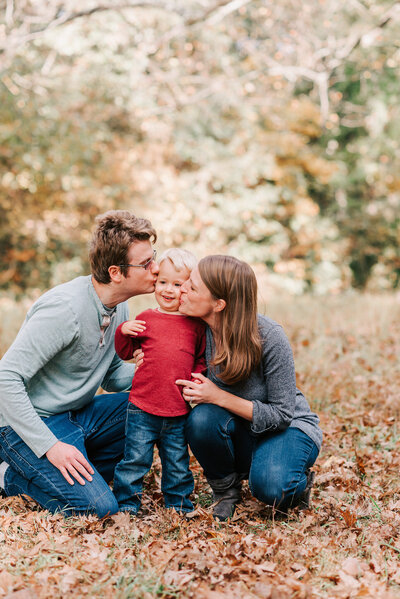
(104, 504)
(91, 500)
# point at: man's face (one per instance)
(139, 279)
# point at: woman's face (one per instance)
(196, 299)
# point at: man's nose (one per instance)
(155, 268)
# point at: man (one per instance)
(59, 443)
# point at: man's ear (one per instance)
(220, 305)
(115, 274)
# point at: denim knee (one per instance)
(205, 420)
(268, 487)
(103, 504)
(106, 505)
(199, 423)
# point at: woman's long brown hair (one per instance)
(237, 339)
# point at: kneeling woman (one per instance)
(249, 419)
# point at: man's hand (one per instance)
(133, 327)
(70, 461)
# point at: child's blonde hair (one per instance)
(180, 259)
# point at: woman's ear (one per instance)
(220, 305)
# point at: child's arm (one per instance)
(126, 338)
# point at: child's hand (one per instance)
(133, 327)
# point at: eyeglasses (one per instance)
(104, 324)
(146, 265)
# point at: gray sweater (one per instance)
(278, 404)
(56, 363)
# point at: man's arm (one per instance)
(44, 334)
(119, 376)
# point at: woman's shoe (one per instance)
(226, 494)
(304, 503)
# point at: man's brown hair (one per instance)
(115, 232)
(237, 338)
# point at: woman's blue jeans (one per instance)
(98, 431)
(276, 464)
(143, 432)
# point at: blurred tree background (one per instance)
(268, 130)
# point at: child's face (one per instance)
(168, 286)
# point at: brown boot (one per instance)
(226, 494)
(304, 503)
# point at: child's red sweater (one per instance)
(173, 347)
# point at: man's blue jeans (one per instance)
(98, 431)
(143, 431)
(276, 464)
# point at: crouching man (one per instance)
(59, 442)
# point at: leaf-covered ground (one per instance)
(347, 545)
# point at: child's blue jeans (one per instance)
(142, 432)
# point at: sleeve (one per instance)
(43, 335)
(276, 413)
(200, 364)
(125, 345)
(119, 376)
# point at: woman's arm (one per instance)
(202, 390)
(275, 411)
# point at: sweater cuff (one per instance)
(258, 424)
(40, 449)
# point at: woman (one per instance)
(249, 419)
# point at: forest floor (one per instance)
(347, 352)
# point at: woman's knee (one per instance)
(202, 421)
(269, 487)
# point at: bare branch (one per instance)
(356, 40)
(64, 17)
(216, 13)
(10, 13)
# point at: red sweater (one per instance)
(173, 347)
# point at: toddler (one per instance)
(173, 346)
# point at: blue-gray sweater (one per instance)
(56, 363)
(278, 404)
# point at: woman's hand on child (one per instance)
(200, 390)
(133, 327)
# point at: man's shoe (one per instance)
(3, 468)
